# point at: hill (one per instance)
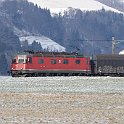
(57, 6)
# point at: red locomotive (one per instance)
(50, 64)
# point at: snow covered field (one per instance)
(62, 100)
(62, 84)
(45, 42)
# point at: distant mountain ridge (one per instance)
(116, 4)
(57, 6)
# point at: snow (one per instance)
(45, 42)
(73, 84)
(57, 6)
(20, 33)
(121, 52)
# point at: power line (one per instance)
(88, 40)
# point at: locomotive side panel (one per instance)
(59, 64)
(38, 65)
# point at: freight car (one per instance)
(112, 65)
(50, 64)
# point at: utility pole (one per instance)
(113, 45)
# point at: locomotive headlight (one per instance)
(59, 61)
(21, 68)
(12, 68)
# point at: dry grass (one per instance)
(61, 108)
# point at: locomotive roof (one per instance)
(53, 54)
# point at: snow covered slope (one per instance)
(60, 5)
(45, 42)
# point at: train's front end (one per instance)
(18, 65)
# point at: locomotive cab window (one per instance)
(77, 61)
(21, 61)
(65, 61)
(53, 61)
(40, 61)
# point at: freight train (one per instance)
(33, 64)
